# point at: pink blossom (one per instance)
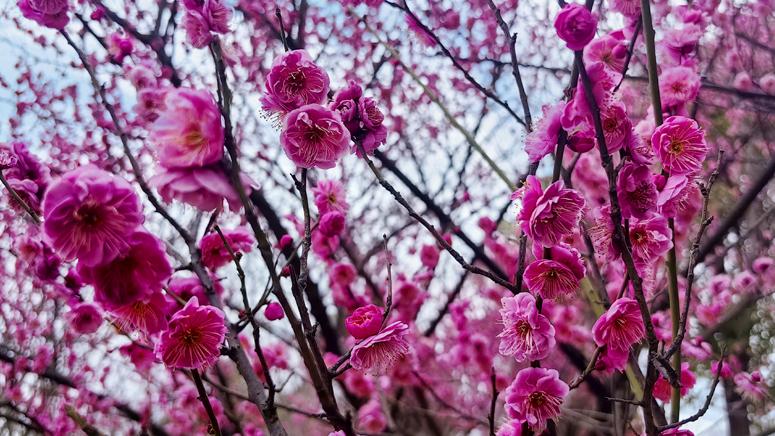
(85, 318)
(767, 83)
(314, 136)
(620, 326)
(331, 223)
(526, 335)
(361, 116)
(215, 254)
(548, 216)
(274, 311)
(575, 25)
(628, 8)
(119, 47)
(204, 188)
(146, 314)
(680, 44)
(610, 50)
(194, 337)
(751, 385)
(141, 357)
(364, 322)
(49, 13)
(636, 190)
(650, 239)
(377, 354)
(662, 389)
(535, 397)
(543, 139)
(294, 81)
(370, 417)
(557, 275)
(680, 145)
(678, 86)
(188, 132)
(511, 427)
(187, 287)
(197, 31)
(342, 274)
(133, 275)
(89, 214)
(617, 127)
(330, 195)
(429, 256)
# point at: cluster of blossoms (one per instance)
(510, 341)
(316, 134)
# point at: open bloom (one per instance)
(135, 274)
(188, 132)
(650, 239)
(376, 354)
(535, 397)
(49, 13)
(543, 139)
(215, 254)
(678, 86)
(88, 214)
(548, 216)
(636, 190)
(194, 337)
(364, 322)
(663, 390)
(294, 81)
(85, 318)
(314, 136)
(680, 145)
(330, 195)
(204, 188)
(620, 327)
(575, 25)
(146, 314)
(526, 335)
(556, 276)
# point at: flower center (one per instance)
(88, 215)
(676, 146)
(295, 82)
(523, 328)
(191, 336)
(537, 399)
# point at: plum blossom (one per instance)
(557, 275)
(364, 322)
(575, 25)
(620, 326)
(314, 136)
(636, 190)
(527, 334)
(535, 397)
(89, 214)
(193, 339)
(215, 254)
(294, 81)
(550, 215)
(188, 132)
(205, 188)
(680, 145)
(377, 354)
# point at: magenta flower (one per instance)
(548, 216)
(649, 239)
(610, 50)
(557, 276)
(678, 86)
(526, 335)
(377, 354)
(89, 214)
(214, 251)
(680, 145)
(361, 116)
(194, 337)
(138, 272)
(188, 132)
(365, 321)
(274, 311)
(543, 140)
(575, 25)
(202, 18)
(620, 326)
(49, 13)
(204, 188)
(331, 223)
(314, 136)
(636, 190)
(85, 318)
(294, 81)
(535, 397)
(330, 195)
(146, 314)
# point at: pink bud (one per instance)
(285, 242)
(364, 322)
(274, 311)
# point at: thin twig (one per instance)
(214, 429)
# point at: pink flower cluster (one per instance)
(379, 348)
(203, 18)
